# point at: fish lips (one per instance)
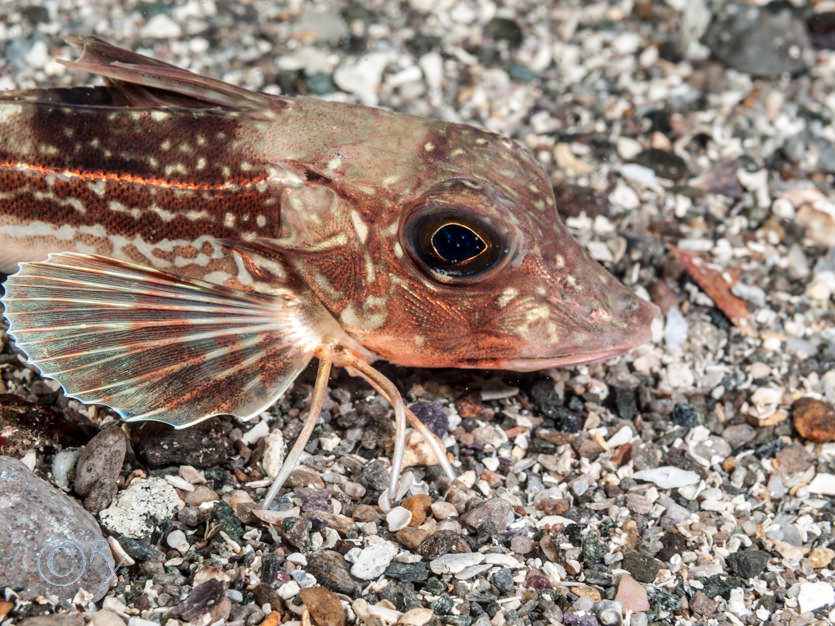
(608, 344)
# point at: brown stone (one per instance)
(98, 467)
(793, 459)
(702, 605)
(821, 557)
(411, 537)
(622, 454)
(589, 449)
(471, 406)
(418, 505)
(324, 607)
(272, 619)
(303, 477)
(814, 419)
(584, 591)
(365, 513)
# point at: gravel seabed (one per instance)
(692, 148)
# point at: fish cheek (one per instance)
(318, 239)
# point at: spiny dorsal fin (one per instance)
(149, 82)
(152, 345)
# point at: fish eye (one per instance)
(452, 246)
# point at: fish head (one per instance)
(460, 259)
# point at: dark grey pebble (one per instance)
(140, 550)
(503, 581)
(759, 41)
(332, 571)
(504, 29)
(201, 600)
(374, 475)
(593, 548)
(642, 567)
(225, 516)
(443, 542)
(748, 563)
(687, 416)
(203, 445)
(433, 415)
(408, 572)
(664, 163)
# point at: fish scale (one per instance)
(179, 248)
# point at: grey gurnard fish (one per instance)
(180, 248)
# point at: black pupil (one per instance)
(455, 243)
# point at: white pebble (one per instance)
(628, 148)
(667, 477)
(823, 484)
(815, 595)
(179, 482)
(372, 561)
(161, 27)
(624, 435)
(455, 562)
(138, 509)
(273, 453)
(641, 175)
(62, 463)
(505, 560)
(362, 76)
(624, 197)
(433, 69)
(288, 590)
(259, 431)
(177, 539)
(398, 518)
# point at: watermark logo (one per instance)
(62, 561)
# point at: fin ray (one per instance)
(154, 345)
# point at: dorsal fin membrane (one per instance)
(142, 79)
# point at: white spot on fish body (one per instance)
(335, 163)
(261, 221)
(178, 168)
(360, 226)
(244, 277)
(506, 297)
(229, 220)
(160, 116)
(98, 187)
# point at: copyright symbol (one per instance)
(61, 561)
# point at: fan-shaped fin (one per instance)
(152, 345)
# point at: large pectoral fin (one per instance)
(152, 345)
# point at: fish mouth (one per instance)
(532, 364)
(606, 347)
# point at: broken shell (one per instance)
(398, 518)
